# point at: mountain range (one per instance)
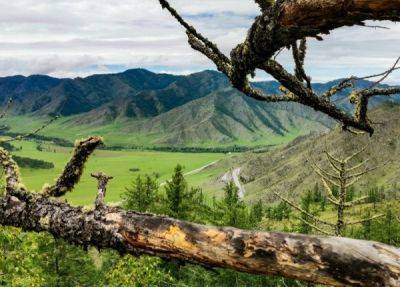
(142, 108)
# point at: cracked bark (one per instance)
(326, 260)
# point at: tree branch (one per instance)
(74, 169)
(298, 208)
(313, 226)
(281, 24)
(11, 170)
(21, 137)
(365, 220)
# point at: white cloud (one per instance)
(69, 38)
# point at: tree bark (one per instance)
(321, 13)
(326, 260)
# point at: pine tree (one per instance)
(257, 211)
(175, 191)
(181, 201)
(306, 206)
(141, 196)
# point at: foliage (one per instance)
(375, 195)
(39, 260)
(137, 272)
(280, 212)
(181, 201)
(141, 196)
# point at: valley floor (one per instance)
(115, 163)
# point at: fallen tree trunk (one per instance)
(326, 260)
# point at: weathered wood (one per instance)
(280, 25)
(325, 260)
(317, 14)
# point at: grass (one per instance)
(115, 163)
(115, 135)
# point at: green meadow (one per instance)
(114, 163)
(117, 134)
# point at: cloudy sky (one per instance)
(71, 38)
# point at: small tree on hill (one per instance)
(181, 201)
(142, 194)
(340, 193)
(257, 212)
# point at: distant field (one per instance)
(115, 163)
(114, 134)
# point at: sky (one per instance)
(77, 38)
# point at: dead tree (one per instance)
(325, 260)
(287, 24)
(341, 178)
(27, 135)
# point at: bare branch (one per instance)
(357, 166)
(333, 161)
(368, 93)
(348, 83)
(353, 181)
(326, 178)
(385, 75)
(74, 169)
(323, 173)
(102, 181)
(281, 24)
(299, 54)
(349, 158)
(298, 208)
(192, 31)
(365, 220)
(21, 137)
(331, 197)
(198, 45)
(356, 201)
(359, 174)
(313, 226)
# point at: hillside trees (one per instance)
(338, 185)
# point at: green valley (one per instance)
(123, 165)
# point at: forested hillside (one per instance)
(289, 170)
